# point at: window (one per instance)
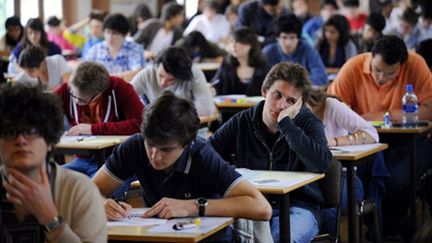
(29, 9)
(6, 11)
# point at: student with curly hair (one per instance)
(38, 199)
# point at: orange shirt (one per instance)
(355, 85)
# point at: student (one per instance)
(312, 28)
(173, 70)
(336, 47)
(95, 33)
(301, 9)
(281, 133)
(38, 69)
(139, 17)
(407, 28)
(244, 69)
(181, 176)
(291, 47)
(55, 34)
(34, 35)
(159, 34)
(372, 31)
(351, 10)
(214, 26)
(99, 104)
(373, 84)
(199, 49)
(342, 126)
(40, 201)
(120, 57)
(260, 15)
(14, 33)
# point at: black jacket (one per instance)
(301, 146)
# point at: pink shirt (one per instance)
(339, 120)
(61, 42)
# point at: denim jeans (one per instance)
(86, 166)
(303, 225)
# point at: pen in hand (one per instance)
(119, 202)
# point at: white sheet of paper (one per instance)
(135, 219)
(207, 224)
(356, 148)
(76, 138)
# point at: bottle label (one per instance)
(410, 108)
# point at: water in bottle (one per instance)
(409, 108)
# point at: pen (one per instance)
(118, 202)
(187, 224)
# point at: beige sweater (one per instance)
(80, 204)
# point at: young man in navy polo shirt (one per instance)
(180, 175)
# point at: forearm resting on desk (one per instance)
(358, 137)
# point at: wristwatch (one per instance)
(54, 224)
(202, 205)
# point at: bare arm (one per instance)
(107, 185)
(243, 201)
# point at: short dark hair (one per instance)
(246, 35)
(176, 62)
(90, 78)
(340, 23)
(31, 57)
(329, 2)
(53, 21)
(213, 4)
(170, 118)
(410, 16)
(376, 21)
(289, 24)
(117, 22)
(270, 2)
(351, 3)
(170, 10)
(98, 15)
(22, 106)
(391, 48)
(424, 49)
(293, 73)
(13, 21)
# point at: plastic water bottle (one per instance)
(409, 108)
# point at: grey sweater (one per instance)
(196, 90)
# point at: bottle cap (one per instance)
(409, 88)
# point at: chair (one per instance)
(331, 188)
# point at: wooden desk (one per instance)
(144, 233)
(208, 66)
(410, 134)
(206, 120)
(350, 160)
(228, 105)
(99, 147)
(288, 181)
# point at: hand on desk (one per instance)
(32, 196)
(116, 210)
(80, 129)
(172, 208)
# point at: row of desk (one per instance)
(101, 146)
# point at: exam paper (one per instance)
(135, 219)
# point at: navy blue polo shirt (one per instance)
(198, 172)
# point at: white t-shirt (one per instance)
(161, 41)
(214, 30)
(57, 67)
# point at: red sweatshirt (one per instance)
(123, 111)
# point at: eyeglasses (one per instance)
(80, 101)
(13, 133)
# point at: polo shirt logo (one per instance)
(187, 195)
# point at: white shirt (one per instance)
(161, 41)
(214, 30)
(56, 66)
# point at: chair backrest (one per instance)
(331, 185)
